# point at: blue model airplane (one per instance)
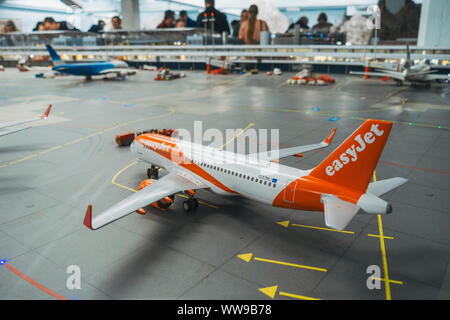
(89, 69)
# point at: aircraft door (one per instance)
(289, 192)
(140, 148)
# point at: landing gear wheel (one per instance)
(190, 204)
(187, 206)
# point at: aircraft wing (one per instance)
(118, 71)
(431, 77)
(282, 153)
(14, 123)
(392, 74)
(166, 186)
(4, 133)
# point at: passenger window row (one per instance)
(236, 174)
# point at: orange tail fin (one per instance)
(352, 164)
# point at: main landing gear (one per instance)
(191, 203)
(153, 172)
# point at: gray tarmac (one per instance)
(51, 172)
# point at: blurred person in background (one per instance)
(189, 23)
(97, 27)
(169, 20)
(220, 23)
(9, 26)
(244, 17)
(51, 25)
(250, 30)
(180, 24)
(116, 23)
(39, 26)
(302, 22)
(323, 22)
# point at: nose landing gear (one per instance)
(153, 172)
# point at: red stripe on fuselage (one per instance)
(175, 155)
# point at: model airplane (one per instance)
(23, 65)
(15, 123)
(89, 69)
(419, 73)
(339, 186)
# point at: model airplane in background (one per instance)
(18, 122)
(23, 65)
(88, 69)
(414, 73)
(339, 186)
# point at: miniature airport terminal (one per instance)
(94, 205)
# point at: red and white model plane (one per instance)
(339, 186)
(18, 122)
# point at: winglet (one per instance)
(88, 218)
(330, 136)
(47, 112)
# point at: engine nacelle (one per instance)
(162, 204)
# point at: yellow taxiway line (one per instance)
(237, 135)
(383, 252)
(377, 236)
(248, 256)
(390, 280)
(286, 224)
(271, 291)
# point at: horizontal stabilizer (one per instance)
(338, 213)
(384, 186)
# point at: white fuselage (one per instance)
(237, 174)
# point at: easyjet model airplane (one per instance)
(339, 186)
(15, 123)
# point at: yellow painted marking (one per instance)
(392, 281)
(7, 164)
(290, 264)
(326, 229)
(236, 136)
(383, 251)
(271, 291)
(377, 236)
(113, 181)
(296, 296)
(396, 91)
(284, 223)
(248, 256)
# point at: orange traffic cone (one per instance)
(366, 76)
